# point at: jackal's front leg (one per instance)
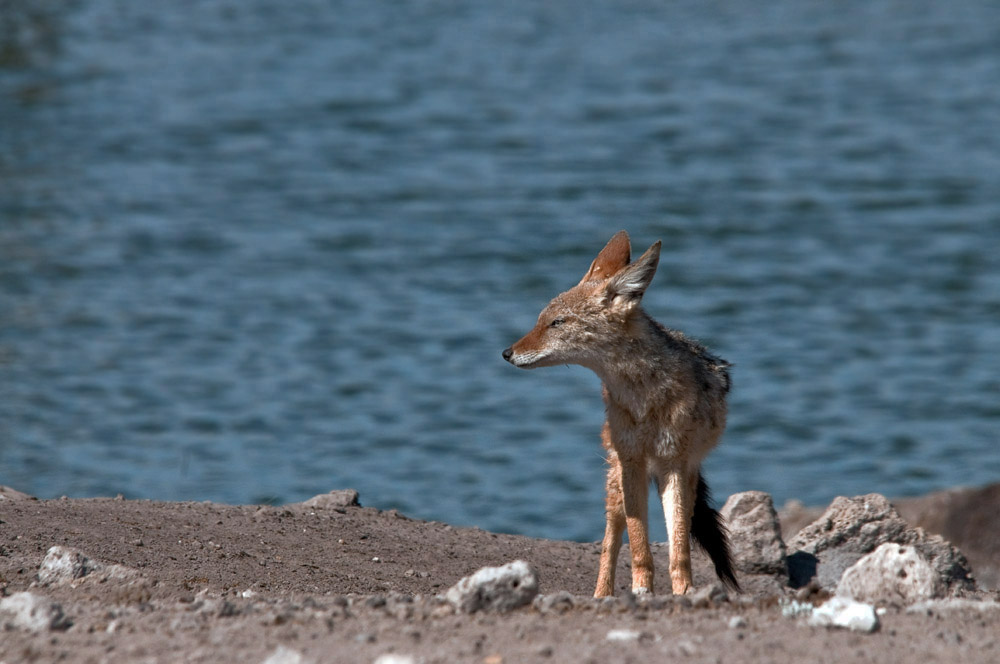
(635, 491)
(614, 526)
(678, 495)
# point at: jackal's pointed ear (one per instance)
(628, 284)
(613, 257)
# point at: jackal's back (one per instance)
(711, 368)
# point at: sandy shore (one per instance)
(204, 582)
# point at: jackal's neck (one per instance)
(637, 369)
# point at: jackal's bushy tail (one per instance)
(710, 533)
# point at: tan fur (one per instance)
(665, 400)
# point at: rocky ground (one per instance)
(94, 580)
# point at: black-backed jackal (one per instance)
(666, 409)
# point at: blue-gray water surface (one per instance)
(253, 251)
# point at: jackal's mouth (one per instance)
(524, 360)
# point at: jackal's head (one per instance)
(584, 323)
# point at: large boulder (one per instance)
(854, 527)
(755, 533)
(967, 517)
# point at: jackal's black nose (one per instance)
(507, 353)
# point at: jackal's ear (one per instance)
(629, 283)
(613, 257)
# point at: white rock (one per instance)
(32, 612)
(495, 588)
(845, 612)
(62, 564)
(623, 635)
(891, 573)
(285, 655)
(65, 565)
(796, 609)
(737, 622)
(395, 659)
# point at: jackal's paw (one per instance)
(642, 591)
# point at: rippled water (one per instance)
(252, 251)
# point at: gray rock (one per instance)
(846, 613)
(495, 588)
(854, 527)
(32, 612)
(708, 596)
(858, 524)
(950, 564)
(7, 493)
(335, 499)
(954, 604)
(824, 571)
(755, 533)
(892, 573)
(559, 602)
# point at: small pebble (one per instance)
(283, 655)
(395, 659)
(737, 622)
(687, 648)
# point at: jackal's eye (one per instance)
(557, 322)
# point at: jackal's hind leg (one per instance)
(615, 525)
(677, 492)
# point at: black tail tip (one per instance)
(710, 533)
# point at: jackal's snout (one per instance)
(524, 356)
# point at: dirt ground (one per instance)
(209, 582)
